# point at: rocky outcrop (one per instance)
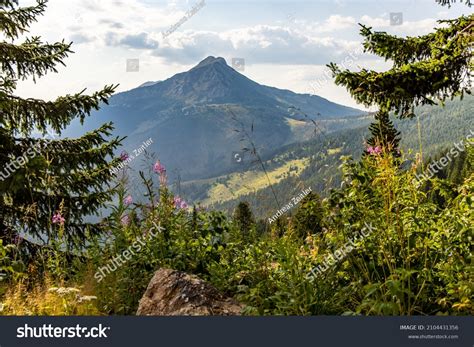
(175, 293)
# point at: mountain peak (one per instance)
(148, 83)
(211, 60)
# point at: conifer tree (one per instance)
(48, 184)
(449, 2)
(243, 217)
(426, 69)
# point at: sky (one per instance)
(280, 43)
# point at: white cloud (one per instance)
(337, 22)
(260, 44)
(375, 22)
(280, 53)
(407, 28)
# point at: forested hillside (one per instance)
(439, 126)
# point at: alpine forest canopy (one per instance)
(47, 184)
(426, 70)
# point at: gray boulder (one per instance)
(176, 293)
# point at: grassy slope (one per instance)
(440, 128)
(239, 184)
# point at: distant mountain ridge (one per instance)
(192, 117)
(147, 84)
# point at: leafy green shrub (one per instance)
(167, 235)
(418, 259)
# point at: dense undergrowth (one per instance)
(382, 244)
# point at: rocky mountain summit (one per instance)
(192, 117)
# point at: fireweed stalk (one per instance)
(334, 258)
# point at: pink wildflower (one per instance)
(58, 219)
(125, 220)
(179, 203)
(163, 180)
(158, 168)
(374, 150)
(124, 156)
(128, 200)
